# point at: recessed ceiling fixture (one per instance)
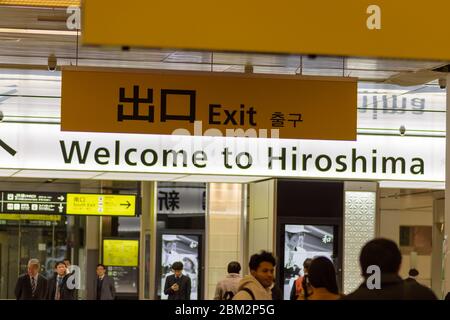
(53, 18)
(41, 3)
(35, 31)
(7, 39)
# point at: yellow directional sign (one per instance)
(382, 28)
(121, 253)
(101, 204)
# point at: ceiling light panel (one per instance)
(7, 172)
(41, 3)
(137, 176)
(413, 185)
(217, 178)
(56, 174)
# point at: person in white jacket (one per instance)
(258, 285)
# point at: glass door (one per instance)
(22, 238)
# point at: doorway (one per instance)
(23, 237)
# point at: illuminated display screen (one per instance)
(121, 253)
(302, 242)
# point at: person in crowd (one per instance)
(322, 278)
(104, 288)
(70, 271)
(306, 288)
(178, 286)
(412, 275)
(385, 255)
(31, 285)
(277, 293)
(68, 264)
(297, 288)
(258, 285)
(58, 286)
(228, 287)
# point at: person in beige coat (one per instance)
(258, 285)
(227, 288)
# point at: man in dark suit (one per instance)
(58, 286)
(178, 286)
(412, 275)
(31, 285)
(104, 285)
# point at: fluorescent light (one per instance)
(5, 39)
(7, 172)
(56, 174)
(37, 31)
(216, 178)
(137, 176)
(41, 3)
(413, 185)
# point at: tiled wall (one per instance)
(225, 215)
(360, 209)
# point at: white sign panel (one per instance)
(181, 198)
(45, 147)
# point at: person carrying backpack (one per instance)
(258, 285)
(297, 288)
(228, 287)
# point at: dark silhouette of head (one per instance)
(177, 266)
(413, 272)
(306, 265)
(323, 275)
(383, 253)
(234, 267)
(263, 256)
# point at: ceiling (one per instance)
(24, 175)
(28, 35)
(409, 201)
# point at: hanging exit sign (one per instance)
(382, 28)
